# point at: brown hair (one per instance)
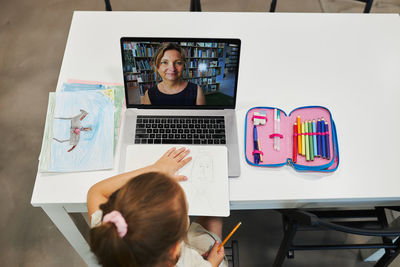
(165, 47)
(154, 207)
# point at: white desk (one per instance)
(349, 63)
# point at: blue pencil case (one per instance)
(312, 146)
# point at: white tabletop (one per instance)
(349, 63)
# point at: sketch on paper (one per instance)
(202, 169)
(206, 189)
(75, 130)
(201, 179)
(84, 118)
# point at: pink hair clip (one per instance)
(118, 220)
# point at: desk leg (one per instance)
(67, 227)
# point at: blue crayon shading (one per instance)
(327, 141)
(323, 139)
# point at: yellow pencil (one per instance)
(259, 148)
(299, 136)
(227, 238)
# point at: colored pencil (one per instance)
(323, 138)
(307, 139)
(227, 238)
(328, 152)
(319, 147)
(259, 148)
(299, 134)
(314, 130)
(303, 143)
(295, 130)
(311, 140)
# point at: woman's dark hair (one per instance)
(154, 207)
(165, 47)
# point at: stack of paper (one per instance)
(82, 126)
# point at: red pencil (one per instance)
(294, 142)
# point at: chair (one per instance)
(372, 222)
(368, 5)
(232, 253)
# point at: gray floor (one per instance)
(33, 35)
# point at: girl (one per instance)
(140, 218)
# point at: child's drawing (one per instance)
(75, 130)
(201, 179)
(202, 169)
(85, 121)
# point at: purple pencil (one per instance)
(328, 152)
(319, 153)
(323, 143)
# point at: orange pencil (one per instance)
(227, 238)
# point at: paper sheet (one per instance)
(207, 187)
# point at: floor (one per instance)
(33, 35)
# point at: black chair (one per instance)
(368, 5)
(232, 253)
(372, 222)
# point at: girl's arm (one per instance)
(169, 163)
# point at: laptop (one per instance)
(181, 91)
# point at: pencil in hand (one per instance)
(231, 233)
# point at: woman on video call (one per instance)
(169, 62)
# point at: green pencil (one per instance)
(311, 140)
(307, 141)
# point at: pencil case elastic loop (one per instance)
(257, 152)
(259, 117)
(276, 134)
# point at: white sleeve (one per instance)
(190, 257)
(96, 218)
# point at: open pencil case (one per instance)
(263, 150)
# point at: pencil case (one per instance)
(263, 151)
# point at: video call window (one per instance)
(207, 69)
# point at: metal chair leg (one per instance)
(235, 253)
(289, 233)
(389, 255)
(273, 6)
(195, 6)
(368, 6)
(108, 5)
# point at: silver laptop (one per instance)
(181, 91)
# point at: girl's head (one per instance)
(169, 61)
(155, 210)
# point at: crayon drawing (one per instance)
(83, 131)
(75, 130)
(118, 97)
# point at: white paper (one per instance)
(207, 187)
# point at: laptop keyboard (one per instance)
(180, 130)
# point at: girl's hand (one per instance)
(172, 161)
(214, 256)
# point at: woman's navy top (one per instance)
(187, 97)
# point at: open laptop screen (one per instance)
(180, 72)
